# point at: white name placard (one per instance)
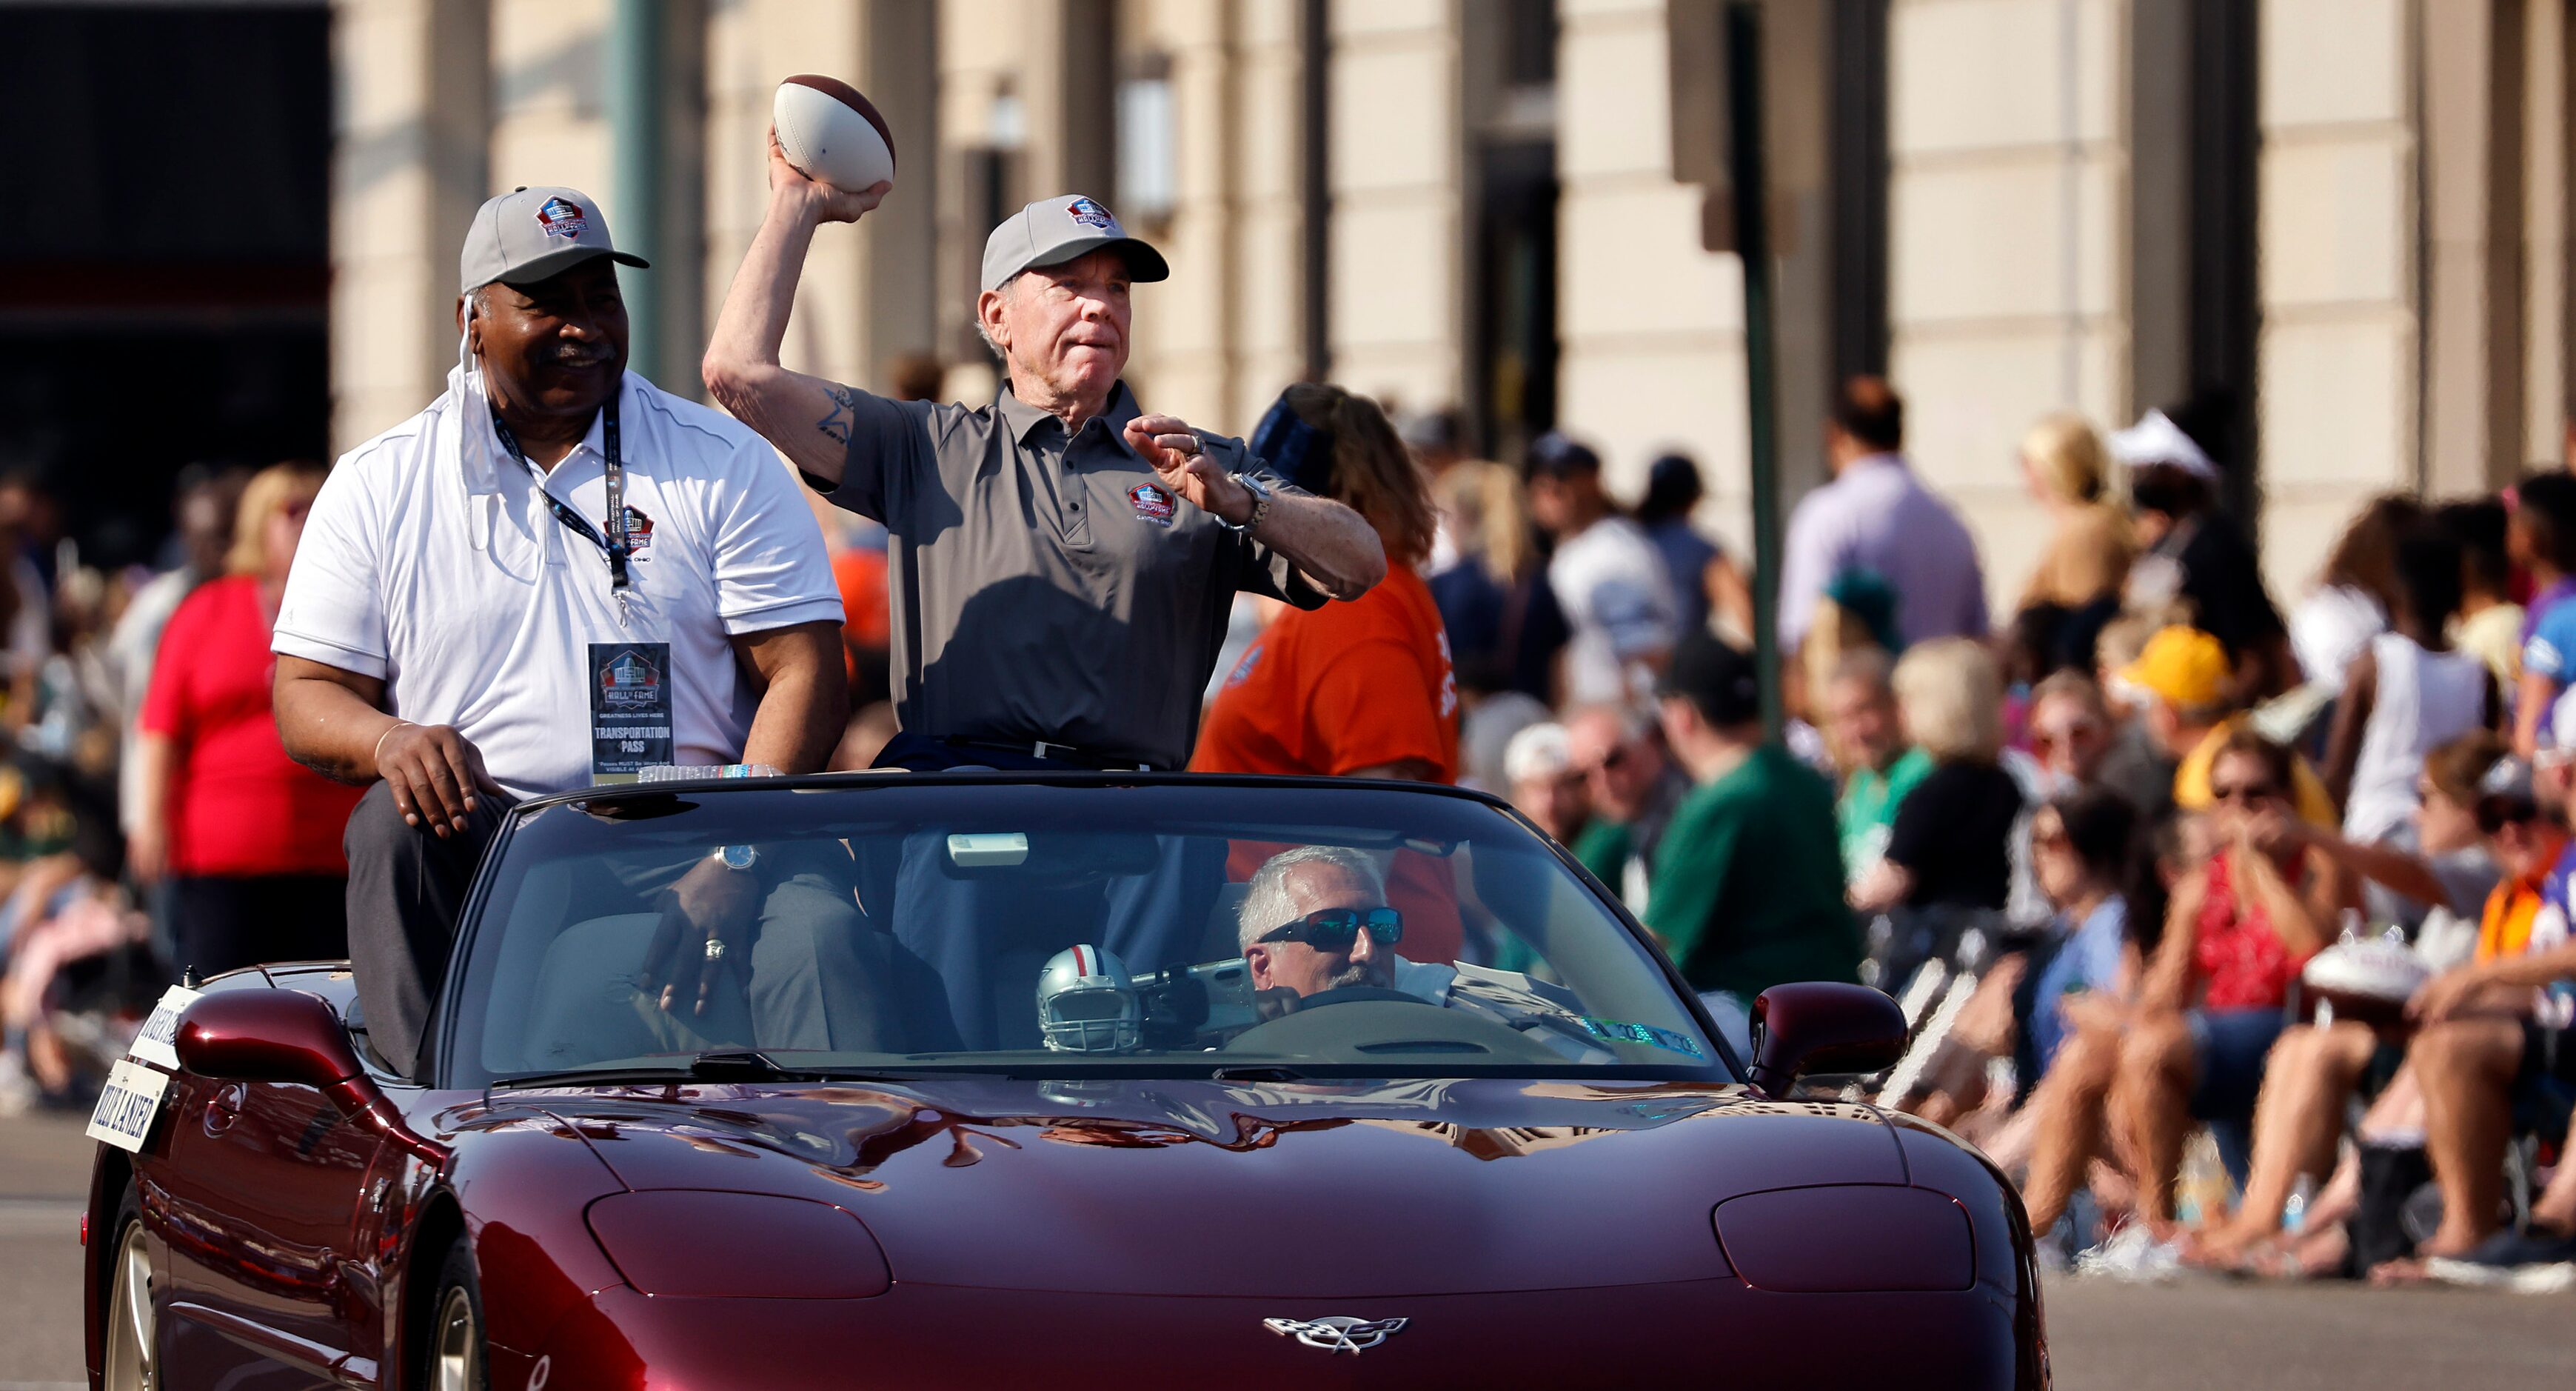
(127, 1104)
(153, 1045)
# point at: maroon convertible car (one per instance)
(1000, 1080)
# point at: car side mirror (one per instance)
(1822, 1026)
(289, 1036)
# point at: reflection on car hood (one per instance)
(1198, 1187)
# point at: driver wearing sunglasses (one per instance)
(1316, 918)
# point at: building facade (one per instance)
(2348, 218)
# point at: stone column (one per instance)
(1397, 297)
(1651, 321)
(407, 172)
(2339, 396)
(2473, 230)
(2007, 243)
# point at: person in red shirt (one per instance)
(248, 839)
(1361, 689)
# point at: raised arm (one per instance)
(807, 418)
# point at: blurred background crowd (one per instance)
(2090, 843)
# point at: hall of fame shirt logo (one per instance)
(639, 532)
(1152, 504)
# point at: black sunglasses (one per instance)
(2245, 792)
(2494, 813)
(1336, 929)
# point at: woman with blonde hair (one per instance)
(2089, 546)
(248, 838)
(1490, 583)
(1950, 844)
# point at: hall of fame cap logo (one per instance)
(562, 217)
(1091, 214)
(1337, 1332)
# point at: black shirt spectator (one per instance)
(1951, 835)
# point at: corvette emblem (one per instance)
(1337, 1333)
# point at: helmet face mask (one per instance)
(1087, 1003)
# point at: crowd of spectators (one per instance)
(2092, 847)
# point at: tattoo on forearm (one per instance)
(845, 406)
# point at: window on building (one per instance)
(1148, 150)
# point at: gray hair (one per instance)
(1870, 665)
(1266, 903)
(985, 333)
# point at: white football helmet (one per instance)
(1087, 1003)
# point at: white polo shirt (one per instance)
(431, 561)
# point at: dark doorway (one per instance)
(2224, 311)
(164, 252)
(1512, 382)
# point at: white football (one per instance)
(2380, 971)
(829, 132)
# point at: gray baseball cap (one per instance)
(1052, 231)
(528, 234)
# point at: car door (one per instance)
(258, 1203)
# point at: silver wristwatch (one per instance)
(741, 859)
(1261, 495)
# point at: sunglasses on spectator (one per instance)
(1611, 762)
(2496, 813)
(1338, 929)
(2245, 792)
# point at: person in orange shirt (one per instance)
(1361, 689)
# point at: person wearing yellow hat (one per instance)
(2184, 672)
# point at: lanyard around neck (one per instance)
(617, 545)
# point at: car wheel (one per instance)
(454, 1347)
(133, 1326)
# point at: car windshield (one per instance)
(1179, 927)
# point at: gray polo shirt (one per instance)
(1045, 587)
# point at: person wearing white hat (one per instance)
(1060, 563)
(2194, 558)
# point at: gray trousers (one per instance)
(406, 888)
(822, 975)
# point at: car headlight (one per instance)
(738, 1246)
(1848, 1239)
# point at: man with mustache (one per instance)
(558, 574)
(1061, 564)
(1316, 919)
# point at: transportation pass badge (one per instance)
(630, 709)
(1152, 504)
(153, 1044)
(127, 1106)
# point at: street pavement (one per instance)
(2102, 1335)
(44, 1180)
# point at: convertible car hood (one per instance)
(1190, 1187)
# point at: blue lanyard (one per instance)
(616, 545)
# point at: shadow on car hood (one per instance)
(1192, 1187)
